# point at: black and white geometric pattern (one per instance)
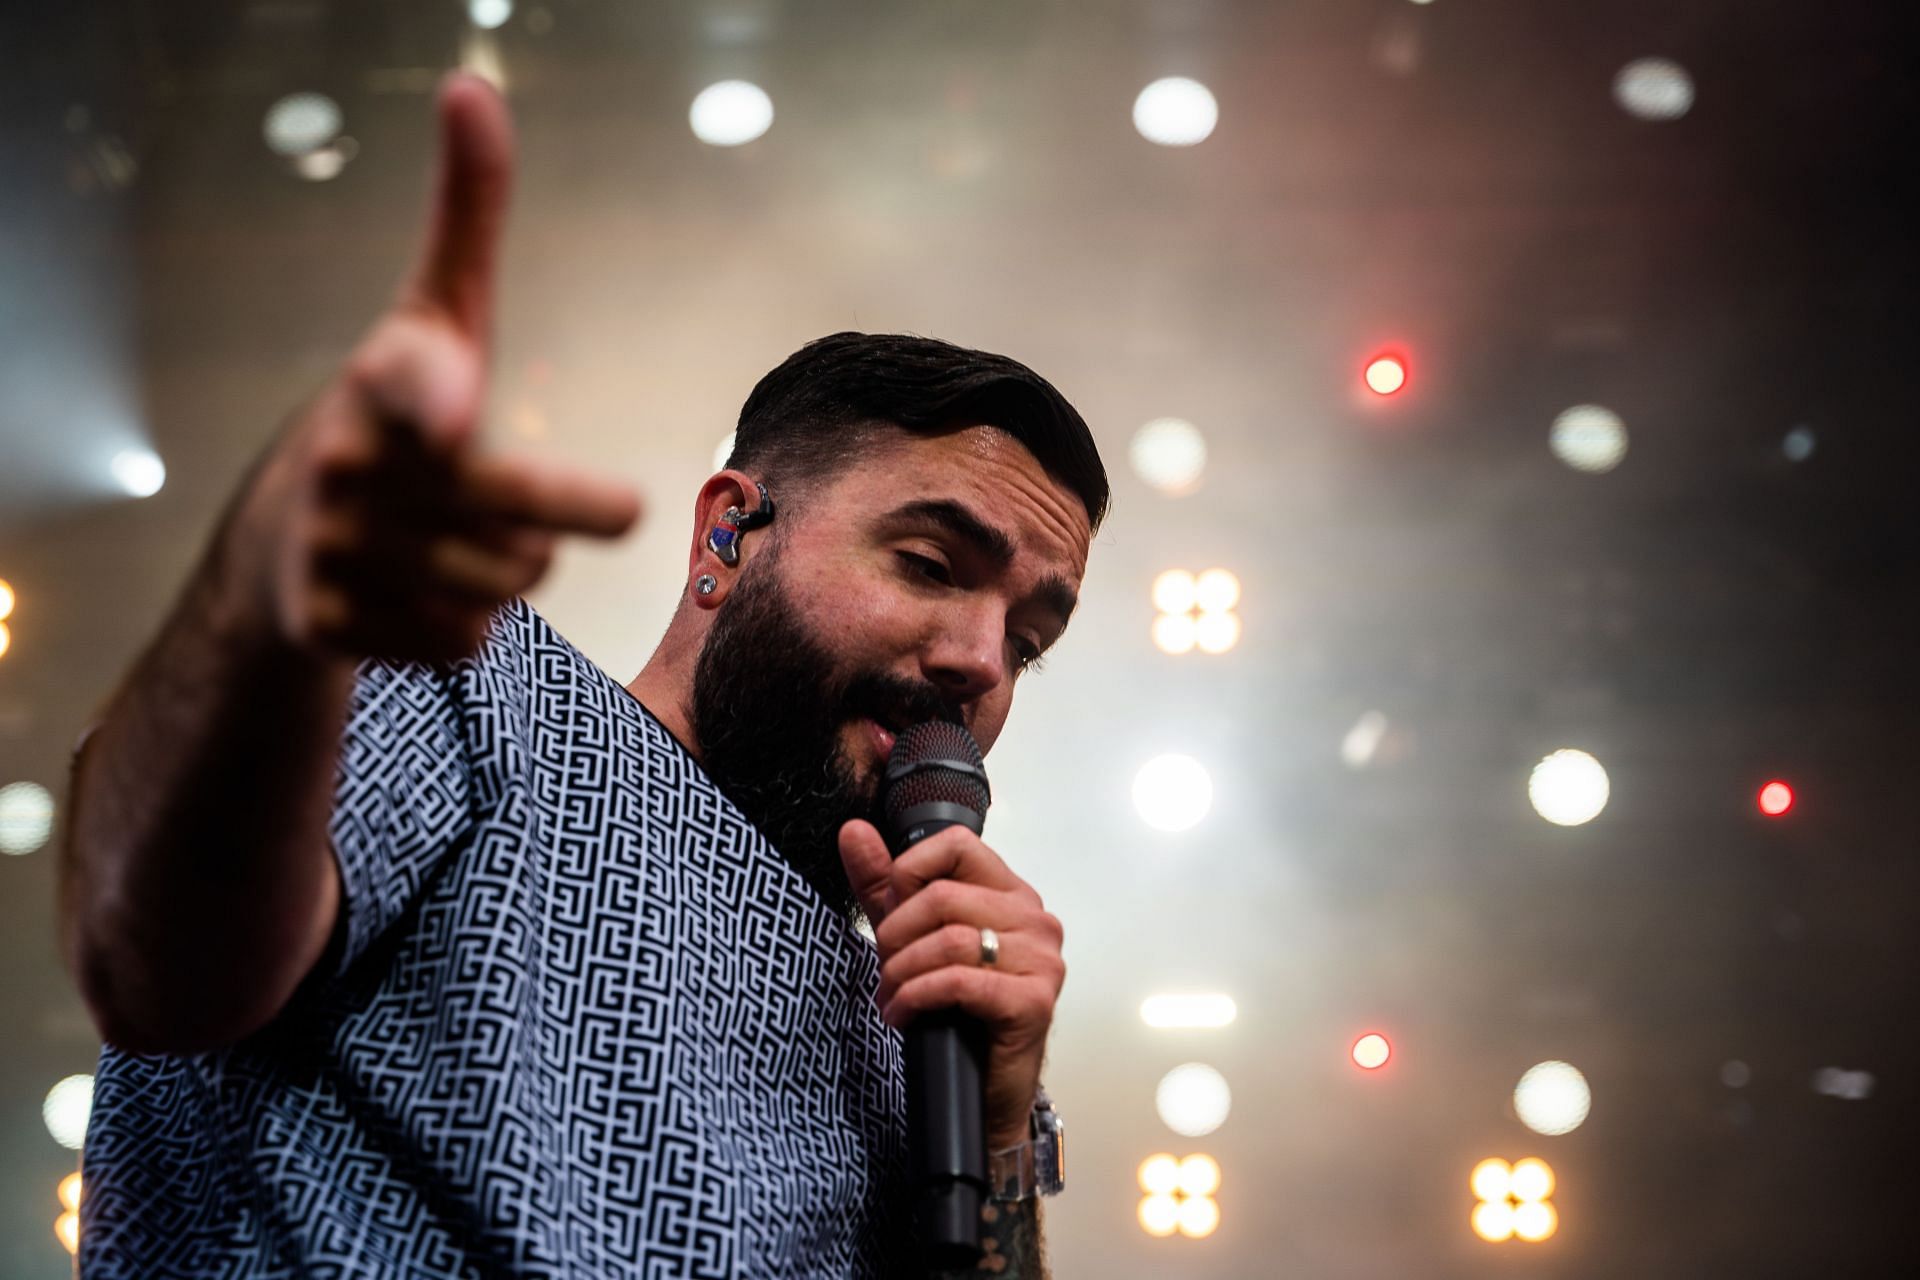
(579, 1020)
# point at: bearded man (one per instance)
(424, 948)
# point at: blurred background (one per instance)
(1488, 733)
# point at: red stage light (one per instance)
(1371, 1051)
(1386, 375)
(1775, 799)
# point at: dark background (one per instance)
(1452, 179)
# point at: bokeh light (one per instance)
(1216, 632)
(26, 817)
(1654, 89)
(1386, 375)
(1199, 1216)
(1176, 633)
(1169, 454)
(730, 113)
(7, 599)
(1776, 798)
(1589, 437)
(1175, 591)
(301, 122)
(1215, 591)
(1493, 1220)
(1552, 1098)
(6, 639)
(489, 14)
(1532, 1179)
(66, 1109)
(1491, 1179)
(1175, 112)
(69, 1191)
(1362, 741)
(1199, 1175)
(1193, 1099)
(139, 471)
(1159, 1214)
(1798, 444)
(1182, 1010)
(1172, 792)
(1568, 788)
(1159, 1175)
(1371, 1051)
(1535, 1221)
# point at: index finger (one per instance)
(474, 174)
(529, 492)
(954, 854)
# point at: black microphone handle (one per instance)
(946, 1054)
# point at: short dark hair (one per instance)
(814, 413)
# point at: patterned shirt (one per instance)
(578, 1019)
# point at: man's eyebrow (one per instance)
(1054, 592)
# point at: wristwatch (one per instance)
(1038, 1166)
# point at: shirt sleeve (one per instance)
(403, 797)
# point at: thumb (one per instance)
(869, 868)
(455, 274)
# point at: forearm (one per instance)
(196, 883)
(1010, 1243)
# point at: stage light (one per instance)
(1175, 633)
(1362, 741)
(1513, 1200)
(1159, 1214)
(26, 817)
(6, 639)
(66, 1228)
(1552, 1098)
(1199, 1175)
(301, 122)
(1491, 1179)
(1386, 375)
(1170, 454)
(1493, 1220)
(1568, 788)
(1654, 89)
(1588, 438)
(67, 1106)
(1175, 112)
(730, 113)
(1172, 792)
(1174, 591)
(69, 1191)
(1199, 1217)
(1198, 1010)
(1776, 798)
(322, 164)
(489, 14)
(1535, 1221)
(1159, 1175)
(7, 599)
(723, 451)
(1193, 1099)
(1216, 591)
(1371, 1051)
(1216, 632)
(1798, 444)
(139, 471)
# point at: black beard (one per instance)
(768, 708)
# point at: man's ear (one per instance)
(724, 500)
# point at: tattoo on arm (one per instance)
(1010, 1243)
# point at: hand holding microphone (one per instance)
(943, 908)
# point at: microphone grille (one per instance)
(935, 760)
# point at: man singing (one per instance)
(423, 948)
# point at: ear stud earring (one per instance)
(705, 584)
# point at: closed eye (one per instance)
(927, 567)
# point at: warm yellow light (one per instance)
(1531, 1180)
(1199, 1176)
(67, 1227)
(1198, 1217)
(1216, 591)
(6, 598)
(1173, 591)
(1371, 1051)
(69, 1191)
(1199, 1009)
(1535, 1221)
(1159, 1175)
(6, 638)
(1493, 1220)
(1216, 632)
(1386, 375)
(1175, 633)
(1491, 1179)
(1159, 1215)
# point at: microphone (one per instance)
(935, 780)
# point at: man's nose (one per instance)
(968, 658)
